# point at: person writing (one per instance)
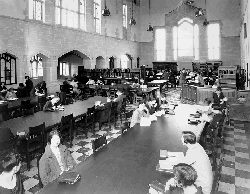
(219, 98)
(51, 104)
(55, 160)
(140, 112)
(10, 179)
(10, 94)
(199, 160)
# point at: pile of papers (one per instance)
(171, 159)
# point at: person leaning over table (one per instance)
(199, 160)
(140, 112)
(55, 160)
(10, 178)
(214, 116)
(50, 105)
(10, 94)
(184, 181)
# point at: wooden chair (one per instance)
(105, 115)
(114, 113)
(7, 147)
(66, 128)
(27, 108)
(99, 143)
(4, 112)
(87, 122)
(34, 143)
(41, 103)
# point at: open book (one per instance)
(172, 159)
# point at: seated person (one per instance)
(21, 91)
(41, 88)
(140, 112)
(183, 181)
(3, 87)
(151, 105)
(199, 160)
(51, 104)
(10, 94)
(55, 160)
(10, 179)
(66, 87)
(76, 91)
(90, 82)
(219, 99)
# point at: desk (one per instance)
(159, 83)
(127, 164)
(51, 119)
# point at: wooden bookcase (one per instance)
(227, 76)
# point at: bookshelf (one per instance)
(227, 76)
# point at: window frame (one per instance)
(160, 53)
(195, 48)
(38, 61)
(209, 41)
(62, 69)
(97, 20)
(125, 16)
(33, 10)
(80, 14)
(6, 57)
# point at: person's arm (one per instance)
(70, 160)
(45, 171)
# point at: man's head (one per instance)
(188, 137)
(27, 77)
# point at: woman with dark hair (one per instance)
(55, 160)
(183, 181)
(10, 179)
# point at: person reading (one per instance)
(55, 160)
(140, 112)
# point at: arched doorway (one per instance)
(100, 63)
(111, 63)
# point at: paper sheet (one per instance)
(145, 121)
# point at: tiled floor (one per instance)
(235, 178)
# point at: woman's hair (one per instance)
(218, 88)
(8, 163)
(51, 134)
(185, 174)
(189, 137)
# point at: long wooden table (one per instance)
(128, 164)
(51, 119)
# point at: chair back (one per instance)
(105, 113)
(99, 143)
(67, 127)
(7, 147)
(35, 139)
(4, 112)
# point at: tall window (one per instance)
(64, 68)
(97, 16)
(8, 69)
(36, 67)
(160, 44)
(71, 13)
(125, 16)
(213, 41)
(37, 10)
(186, 39)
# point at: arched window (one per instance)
(36, 67)
(124, 61)
(186, 39)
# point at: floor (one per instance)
(235, 176)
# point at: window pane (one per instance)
(38, 11)
(64, 17)
(175, 54)
(31, 9)
(58, 15)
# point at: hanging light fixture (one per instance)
(105, 11)
(206, 22)
(132, 20)
(150, 28)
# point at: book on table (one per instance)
(172, 159)
(69, 177)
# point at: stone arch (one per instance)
(76, 50)
(11, 52)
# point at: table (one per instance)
(17, 103)
(51, 119)
(159, 83)
(128, 164)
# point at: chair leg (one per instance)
(28, 160)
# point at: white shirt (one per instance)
(56, 151)
(197, 157)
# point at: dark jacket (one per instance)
(49, 167)
(29, 85)
(217, 98)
